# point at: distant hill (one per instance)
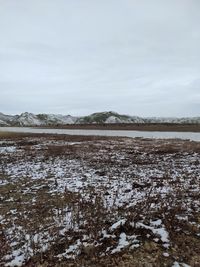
(30, 119)
(108, 117)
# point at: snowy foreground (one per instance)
(95, 201)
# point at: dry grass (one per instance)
(30, 206)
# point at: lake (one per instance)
(145, 134)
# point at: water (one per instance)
(145, 134)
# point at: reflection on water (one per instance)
(165, 135)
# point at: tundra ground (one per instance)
(97, 201)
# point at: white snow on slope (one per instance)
(30, 119)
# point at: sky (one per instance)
(136, 57)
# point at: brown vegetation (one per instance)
(160, 127)
(36, 202)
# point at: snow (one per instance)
(123, 243)
(161, 232)
(165, 254)
(177, 264)
(121, 119)
(7, 149)
(72, 251)
(30, 119)
(106, 235)
(17, 261)
(128, 188)
(117, 224)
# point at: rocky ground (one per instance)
(97, 201)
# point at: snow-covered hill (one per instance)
(109, 117)
(186, 120)
(30, 119)
(6, 120)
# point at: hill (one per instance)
(110, 117)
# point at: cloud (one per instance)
(136, 57)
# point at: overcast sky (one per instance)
(138, 57)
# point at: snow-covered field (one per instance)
(89, 201)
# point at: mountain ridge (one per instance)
(107, 117)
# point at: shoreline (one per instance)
(130, 127)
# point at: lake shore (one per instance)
(184, 135)
(161, 127)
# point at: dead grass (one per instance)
(31, 206)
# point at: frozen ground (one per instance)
(67, 199)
